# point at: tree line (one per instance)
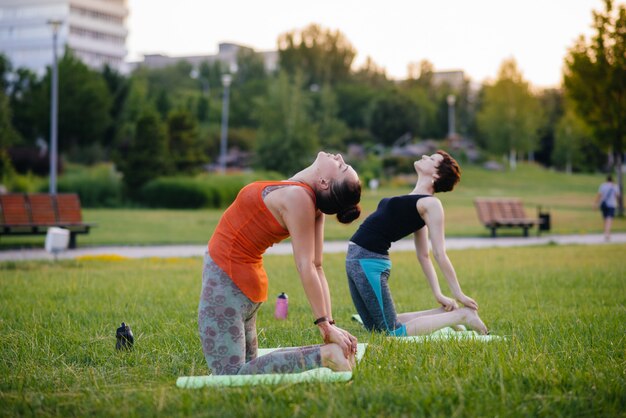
(156, 122)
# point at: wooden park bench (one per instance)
(34, 213)
(508, 213)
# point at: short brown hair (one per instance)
(449, 173)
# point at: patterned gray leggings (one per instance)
(227, 326)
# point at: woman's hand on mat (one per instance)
(352, 338)
(467, 301)
(333, 334)
(448, 304)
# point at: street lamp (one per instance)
(226, 80)
(54, 103)
(451, 99)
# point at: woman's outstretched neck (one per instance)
(424, 185)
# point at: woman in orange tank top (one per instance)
(234, 282)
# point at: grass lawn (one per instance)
(568, 197)
(562, 309)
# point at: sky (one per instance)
(475, 36)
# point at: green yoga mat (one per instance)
(444, 334)
(447, 334)
(321, 374)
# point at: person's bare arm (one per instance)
(318, 260)
(596, 202)
(431, 211)
(299, 215)
(420, 238)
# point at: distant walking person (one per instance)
(606, 200)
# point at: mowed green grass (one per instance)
(561, 308)
(569, 198)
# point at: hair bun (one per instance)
(349, 214)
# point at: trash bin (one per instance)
(57, 240)
(544, 219)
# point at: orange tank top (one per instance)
(247, 228)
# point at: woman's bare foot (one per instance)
(333, 358)
(472, 320)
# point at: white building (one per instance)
(454, 78)
(95, 30)
(227, 55)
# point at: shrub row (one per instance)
(98, 186)
(101, 186)
(206, 191)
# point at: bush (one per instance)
(393, 165)
(177, 193)
(205, 191)
(27, 183)
(97, 186)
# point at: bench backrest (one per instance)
(42, 209)
(483, 209)
(68, 209)
(14, 209)
(38, 209)
(491, 210)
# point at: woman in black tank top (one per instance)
(368, 266)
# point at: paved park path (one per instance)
(285, 248)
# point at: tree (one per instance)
(147, 156)
(551, 101)
(432, 100)
(511, 116)
(250, 66)
(287, 138)
(422, 72)
(170, 78)
(135, 105)
(332, 131)
(392, 115)
(84, 104)
(595, 81)
(570, 136)
(5, 69)
(185, 151)
(427, 122)
(118, 86)
(371, 74)
(323, 56)
(8, 135)
(29, 105)
(163, 103)
(354, 100)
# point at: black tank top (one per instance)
(394, 219)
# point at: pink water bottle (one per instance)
(282, 306)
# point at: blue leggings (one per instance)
(368, 274)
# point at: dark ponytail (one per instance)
(349, 214)
(341, 199)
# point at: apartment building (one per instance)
(95, 30)
(227, 55)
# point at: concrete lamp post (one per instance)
(226, 81)
(451, 99)
(54, 106)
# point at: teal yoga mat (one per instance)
(321, 374)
